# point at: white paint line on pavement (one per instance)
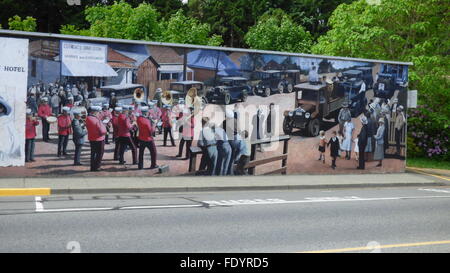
(312, 200)
(160, 207)
(38, 203)
(435, 190)
(76, 209)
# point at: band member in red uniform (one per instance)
(124, 126)
(115, 126)
(64, 130)
(145, 137)
(105, 115)
(133, 113)
(44, 112)
(166, 118)
(96, 135)
(30, 135)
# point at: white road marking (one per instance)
(161, 207)
(38, 203)
(241, 202)
(314, 200)
(435, 190)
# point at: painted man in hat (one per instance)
(400, 122)
(96, 135)
(145, 138)
(344, 116)
(79, 133)
(44, 111)
(105, 115)
(30, 135)
(64, 130)
(124, 135)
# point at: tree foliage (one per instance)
(182, 29)
(277, 31)
(405, 30)
(26, 24)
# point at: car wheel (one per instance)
(267, 92)
(204, 100)
(244, 96)
(287, 127)
(280, 88)
(290, 88)
(227, 98)
(314, 127)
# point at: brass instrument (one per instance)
(166, 98)
(138, 94)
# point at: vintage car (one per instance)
(180, 89)
(229, 89)
(349, 87)
(367, 76)
(313, 103)
(269, 82)
(390, 78)
(125, 93)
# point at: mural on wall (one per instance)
(116, 109)
(13, 77)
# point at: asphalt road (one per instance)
(345, 220)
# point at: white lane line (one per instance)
(316, 200)
(160, 207)
(435, 190)
(76, 209)
(38, 203)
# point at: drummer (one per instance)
(64, 130)
(105, 116)
(45, 111)
(115, 126)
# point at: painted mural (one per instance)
(116, 109)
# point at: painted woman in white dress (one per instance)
(347, 143)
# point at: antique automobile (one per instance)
(270, 81)
(229, 89)
(390, 78)
(349, 86)
(180, 89)
(125, 93)
(367, 76)
(313, 104)
(289, 79)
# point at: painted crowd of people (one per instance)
(372, 141)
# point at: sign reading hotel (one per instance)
(83, 52)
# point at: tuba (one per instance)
(166, 98)
(138, 94)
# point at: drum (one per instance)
(106, 121)
(51, 119)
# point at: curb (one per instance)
(237, 188)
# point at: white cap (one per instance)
(118, 109)
(144, 109)
(381, 120)
(65, 109)
(29, 112)
(400, 108)
(44, 99)
(95, 108)
(363, 119)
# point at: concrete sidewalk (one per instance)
(192, 184)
